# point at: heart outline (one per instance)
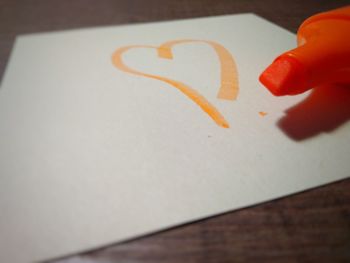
(229, 76)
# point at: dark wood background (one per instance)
(313, 226)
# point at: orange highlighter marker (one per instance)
(322, 56)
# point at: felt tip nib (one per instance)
(285, 76)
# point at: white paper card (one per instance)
(93, 153)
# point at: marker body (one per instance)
(322, 56)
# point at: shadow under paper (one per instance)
(326, 109)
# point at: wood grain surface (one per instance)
(313, 226)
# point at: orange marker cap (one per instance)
(322, 56)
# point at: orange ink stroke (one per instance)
(229, 76)
(262, 113)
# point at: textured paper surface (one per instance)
(91, 155)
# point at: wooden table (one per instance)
(313, 226)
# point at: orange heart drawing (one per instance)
(228, 89)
